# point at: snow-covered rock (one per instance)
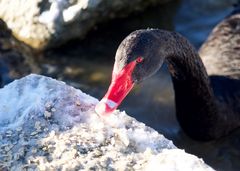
(44, 23)
(48, 125)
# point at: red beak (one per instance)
(120, 86)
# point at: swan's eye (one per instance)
(139, 59)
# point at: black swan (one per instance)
(207, 105)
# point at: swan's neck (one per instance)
(195, 102)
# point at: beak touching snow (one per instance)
(106, 106)
(120, 86)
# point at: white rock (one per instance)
(75, 137)
(42, 23)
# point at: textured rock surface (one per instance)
(44, 23)
(47, 125)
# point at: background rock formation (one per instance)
(48, 23)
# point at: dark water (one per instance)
(88, 64)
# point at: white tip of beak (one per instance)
(105, 106)
(100, 108)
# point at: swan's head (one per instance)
(137, 57)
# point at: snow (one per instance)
(48, 125)
(70, 13)
(175, 158)
(63, 9)
(34, 94)
(54, 13)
